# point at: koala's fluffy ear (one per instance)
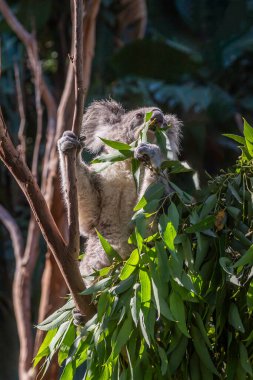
(98, 119)
(174, 132)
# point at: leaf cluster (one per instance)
(180, 307)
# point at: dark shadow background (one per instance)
(195, 61)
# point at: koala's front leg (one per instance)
(88, 183)
(149, 154)
(66, 144)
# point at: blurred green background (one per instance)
(195, 61)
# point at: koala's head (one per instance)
(108, 119)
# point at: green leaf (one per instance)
(101, 285)
(195, 367)
(156, 296)
(244, 359)
(145, 286)
(148, 116)
(226, 265)
(123, 336)
(124, 285)
(44, 347)
(136, 171)
(178, 354)
(202, 329)
(154, 191)
(135, 304)
(234, 318)
(208, 205)
(66, 343)
(113, 157)
(169, 236)
(247, 258)
(202, 350)
(178, 312)
(173, 215)
(68, 372)
(175, 167)
(234, 193)
(234, 212)
(109, 250)
(55, 320)
(165, 310)
(248, 133)
(250, 297)
(143, 318)
(236, 138)
(143, 135)
(203, 225)
(164, 360)
(163, 264)
(183, 196)
(116, 144)
(130, 265)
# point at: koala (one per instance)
(106, 199)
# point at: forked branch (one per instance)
(66, 262)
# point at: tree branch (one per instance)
(14, 231)
(67, 264)
(21, 296)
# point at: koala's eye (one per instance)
(139, 116)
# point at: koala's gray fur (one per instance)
(106, 199)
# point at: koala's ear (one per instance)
(98, 119)
(174, 132)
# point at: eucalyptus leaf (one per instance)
(116, 144)
(202, 350)
(109, 250)
(234, 318)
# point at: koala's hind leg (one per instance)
(88, 184)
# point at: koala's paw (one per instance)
(149, 154)
(78, 318)
(68, 141)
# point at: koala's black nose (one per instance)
(157, 117)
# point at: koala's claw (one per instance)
(149, 154)
(69, 141)
(79, 319)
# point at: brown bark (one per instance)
(21, 296)
(21, 110)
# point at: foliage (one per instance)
(181, 306)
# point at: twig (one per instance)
(31, 48)
(78, 65)
(21, 296)
(14, 231)
(39, 112)
(21, 110)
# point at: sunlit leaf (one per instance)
(236, 138)
(246, 258)
(116, 144)
(130, 265)
(109, 250)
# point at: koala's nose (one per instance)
(157, 117)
